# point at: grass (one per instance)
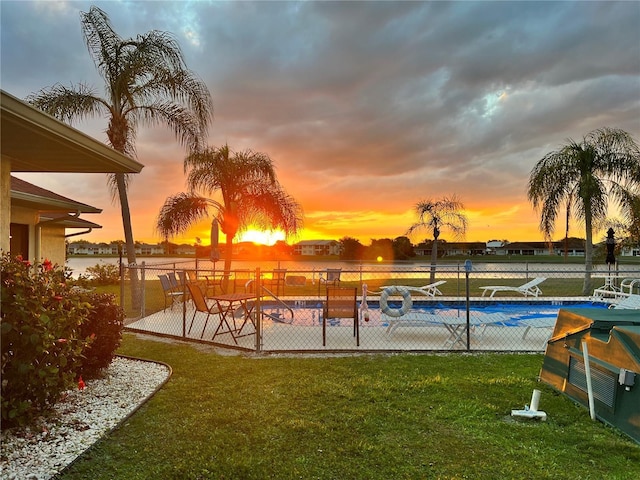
(356, 417)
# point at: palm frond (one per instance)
(433, 215)
(180, 212)
(101, 40)
(68, 104)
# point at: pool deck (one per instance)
(374, 335)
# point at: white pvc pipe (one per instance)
(535, 400)
(587, 372)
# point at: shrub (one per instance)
(104, 274)
(41, 350)
(104, 326)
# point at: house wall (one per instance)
(52, 244)
(5, 203)
(52, 240)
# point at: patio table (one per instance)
(228, 304)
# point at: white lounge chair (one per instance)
(430, 290)
(631, 302)
(528, 289)
(543, 322)
(456, 326)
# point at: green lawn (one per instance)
(355, 417)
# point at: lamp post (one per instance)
(611, 245)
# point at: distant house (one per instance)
(317, 247)
(185, 249)
(529, 248)
(451, 248)
(32, 141)
(630, 251)
(463, 248)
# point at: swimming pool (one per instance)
(309, 313)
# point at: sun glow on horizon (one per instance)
(266, 237)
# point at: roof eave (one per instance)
(37, 142)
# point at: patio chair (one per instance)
(170, 294)
(341, 302)
(277, 279)
(527, 289)
(201, 305)
(242, 280)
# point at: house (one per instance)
(51, 214)
(317, 247)
(185, 249)
(525, 248)
(32, 141)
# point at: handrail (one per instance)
(279, 301)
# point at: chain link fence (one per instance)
(483, 307)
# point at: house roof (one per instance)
(68, 221)
(37, 142)
(28, 195)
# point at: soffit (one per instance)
(37, 142)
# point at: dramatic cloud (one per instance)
(365, 107)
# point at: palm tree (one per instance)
(581, 176)
(435, 215)
(146, 82)
(247, 193)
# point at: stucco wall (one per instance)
(5, 203)
(52, 244)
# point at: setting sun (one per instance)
(262, 237)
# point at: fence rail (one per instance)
(398, 309)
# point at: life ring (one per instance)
(407, 302)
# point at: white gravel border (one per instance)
(79, 420)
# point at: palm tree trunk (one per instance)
(434, 260)
(128, 236)
(227, 259)
(588, 248)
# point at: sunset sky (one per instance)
(364, 107)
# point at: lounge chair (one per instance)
(630, 302)
(630, 284)
(542, 322)
(456, 326)
(332, 277)
(528, 289)
(430, 290)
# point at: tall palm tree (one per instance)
(581, 176)
(435, 215)
(146, 82)
(247, 193)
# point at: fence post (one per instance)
(142, 291)
(467, 270)
(258, 312)
(183, 287)
(121, 275)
